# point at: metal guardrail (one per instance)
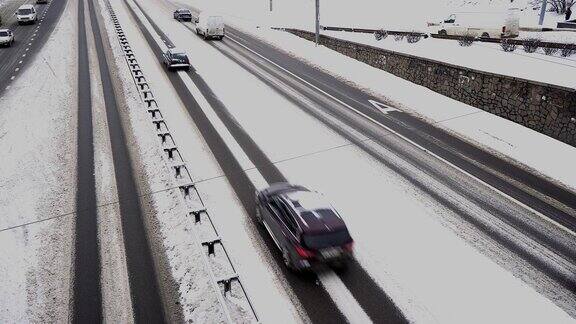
(182, 175)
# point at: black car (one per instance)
(183, 15)
(176, 59)
(306, 228)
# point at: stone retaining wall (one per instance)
(546, 108)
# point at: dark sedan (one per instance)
(183, 15)
(306, 228)
(176, 59)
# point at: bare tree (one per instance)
(558, 6)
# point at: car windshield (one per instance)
(179, 56)
(24, 11)
(324, 240)
(3, 34)
(185, 12)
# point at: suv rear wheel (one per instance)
(258, 215)
(287, 260)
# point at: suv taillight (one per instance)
(503, 29)
(349, 246)
(304, 253)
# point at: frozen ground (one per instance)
(37, 182)
(398, 270)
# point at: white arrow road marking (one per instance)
(385, 109)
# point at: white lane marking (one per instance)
(340, 294)
(27, 49)
(17, 69)
(542, 216)
(7, 87)
(385, 109)
(20, 62)
(13, 77)
(24, 55)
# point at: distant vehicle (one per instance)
(41, 1)
(26, 14)
(6, 37)
(482, 24)
(210, 26)
(183, 15)
(306, 228)
(176, 59)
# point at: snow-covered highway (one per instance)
(445, 230)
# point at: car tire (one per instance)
(443, 32)
(287, 260)
(339, 266)
(259, 216)
(206, 35)
(485, 35)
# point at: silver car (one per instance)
(6, 37)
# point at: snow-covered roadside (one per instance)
(38, 145)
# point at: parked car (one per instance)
(26, 14)
(210, 26)
(183, 15)
(304, 226)
(176, 59)
(482, 24)
(6, 37)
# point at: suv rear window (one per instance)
(179, 56)
(3, 34)
(323, 240)
(24, 11)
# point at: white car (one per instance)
(26, 14)
(6, 37)
(210, 26)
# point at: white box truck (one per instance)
(482, 24)
(210, 26)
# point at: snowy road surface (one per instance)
(98, 228)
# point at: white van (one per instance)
(26, 14)
(482, 24)
(210, 26)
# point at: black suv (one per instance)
(176, 59)
(305, 227)
(183, 15)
